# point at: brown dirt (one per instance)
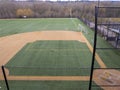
(107, 77)
(1, 74)
(59, 78)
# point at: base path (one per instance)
(48, 78)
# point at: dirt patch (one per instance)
(108, 79)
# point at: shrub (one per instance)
(24, 12)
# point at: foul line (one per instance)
(98, 59)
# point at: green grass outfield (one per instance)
(14, 26)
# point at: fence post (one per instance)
(6, 82)
(94, 49)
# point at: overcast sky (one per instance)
(104, 0)
(74, 0)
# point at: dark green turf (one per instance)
(49, 85)
(52, 58)
(14, 26)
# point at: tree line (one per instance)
(83, 10)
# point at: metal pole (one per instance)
(94, 49)
(3, 70)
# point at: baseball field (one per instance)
(52, 54)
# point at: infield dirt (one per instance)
(10, 45)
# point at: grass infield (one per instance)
(69, 58)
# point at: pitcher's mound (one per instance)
(108, 79)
